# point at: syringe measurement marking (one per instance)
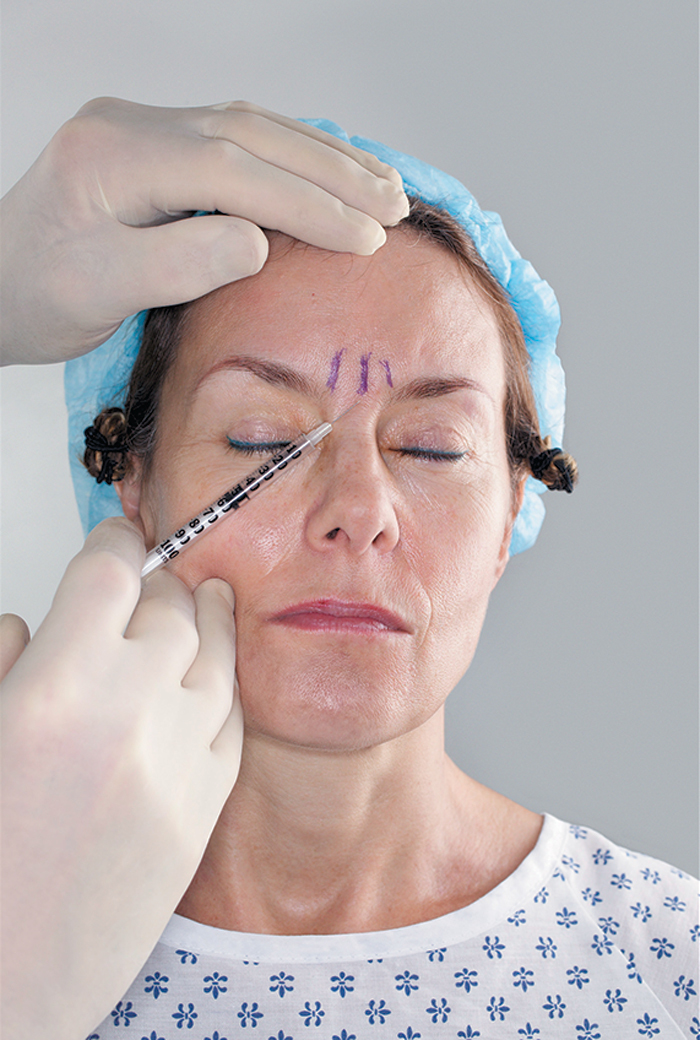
(233, 499)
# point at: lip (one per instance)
(340, 615)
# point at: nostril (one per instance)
(331, 534)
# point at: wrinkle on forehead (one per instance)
(311, 307)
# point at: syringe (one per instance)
(234, 498)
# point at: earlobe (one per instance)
(504, 553)
(129, 491)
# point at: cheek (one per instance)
(171, 496)
(457, 548)
(243, 548)
(458, 579)
(252, 543)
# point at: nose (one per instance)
(354, 507)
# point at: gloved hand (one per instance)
(91, 235)
(121, 734)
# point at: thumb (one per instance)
(14, 637)
(185, 259)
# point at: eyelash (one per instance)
(432, 456)
(264, 448)
(269, 447)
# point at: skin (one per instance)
(345, 796)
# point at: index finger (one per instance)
(102, 583)
(366, 159)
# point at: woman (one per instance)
(356, 882)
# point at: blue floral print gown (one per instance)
(584, 941)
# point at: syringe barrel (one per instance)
(232, 499)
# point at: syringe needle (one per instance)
(343, 414)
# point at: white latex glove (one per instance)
(90, 234)
(121, 733)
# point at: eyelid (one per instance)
(256, 447)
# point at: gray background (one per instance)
(577, 122)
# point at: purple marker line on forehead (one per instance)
(389, 380)
(364, 373)
(335, 369)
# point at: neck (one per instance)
(323, 842)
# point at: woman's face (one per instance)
(362, 577)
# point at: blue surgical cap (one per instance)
(99, 379)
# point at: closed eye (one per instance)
(431, 455)
(257, 447)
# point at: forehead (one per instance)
(411, 303)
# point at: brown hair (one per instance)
(527, 451)
(136, 423)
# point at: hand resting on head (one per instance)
(93, 232)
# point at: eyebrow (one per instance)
(277, 374)
(270, 371)
(436, 387)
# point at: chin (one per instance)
(346, 714)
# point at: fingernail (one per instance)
(226, 591)
(396, 202)
(391, 174)
(376, 242)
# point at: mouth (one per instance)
(332, 615)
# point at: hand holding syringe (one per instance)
(234, 498)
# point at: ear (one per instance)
(129, 491)
(504, 551)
